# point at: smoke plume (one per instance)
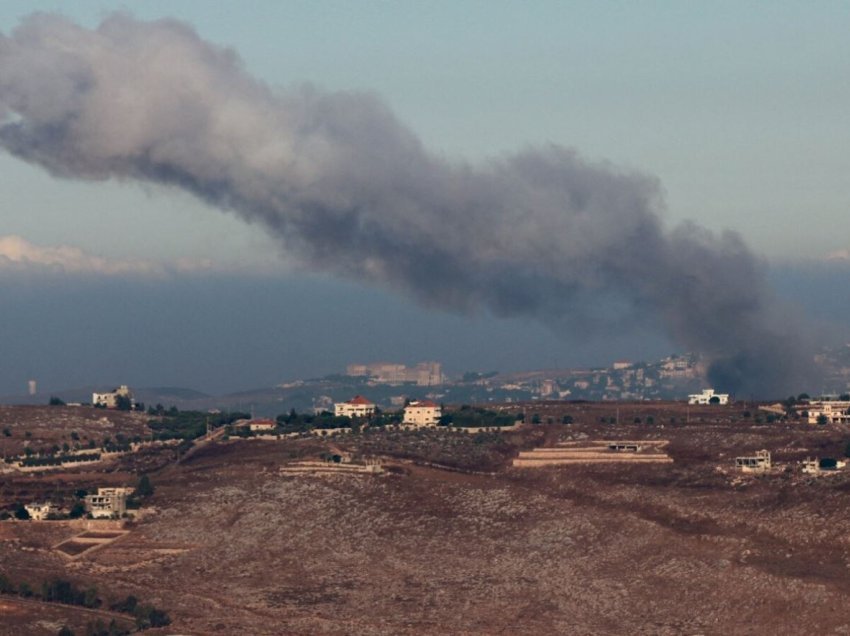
(351, 191)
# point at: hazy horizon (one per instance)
(559, 187)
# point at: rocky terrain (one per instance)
(442, 545)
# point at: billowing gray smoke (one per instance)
(349, 190)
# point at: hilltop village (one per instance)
(116, 517)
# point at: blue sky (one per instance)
(739, 108)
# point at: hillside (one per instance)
(233, 545)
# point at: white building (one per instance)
(39, 511)
(835, 412)
(110, 399)
(423, 374)
(108, 502)
(706, 397)
(758, 463)
(262, 425)
(423, 413)
(358, 406)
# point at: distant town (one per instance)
(391, 384)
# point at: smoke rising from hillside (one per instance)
(349, 190)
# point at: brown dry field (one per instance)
(234, 547)
(53, 425)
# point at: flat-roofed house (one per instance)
(110, 400)
(40, 511)
(108, 502)
(758, 463)
(708, 396)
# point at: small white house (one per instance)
(707, 396)
(833, 412)
(358, 406)
(262, 425)
(422, 413)
(39, 511)
(110, 399)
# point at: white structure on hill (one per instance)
(834, 412)
(708, 397)
(108, 502)
(758, 463)
(423, 374)
(40, 511)
(110, 399)
(422, 413)
(358, 406)
(262, 425)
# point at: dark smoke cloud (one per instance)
(349, 190)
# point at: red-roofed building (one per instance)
(262, 425)
(358, 406)
(422, 413)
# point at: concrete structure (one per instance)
(835, 412)
(596, 452)
(758, 463)
(108, 502)
(358, 406)
(422, 413)
(423, 374)
(706, 396)
(40, 511)
(110, 399)
(822, 465)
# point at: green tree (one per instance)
(6, 585)
(144, 488)
(21, 512)
(55, 401)
(714, 400)
(127, 606)
(823, 420)
(65, 631)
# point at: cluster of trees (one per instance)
(58, 460)
(469, 417)
(294, 422)
(188, 425)
(67, 593)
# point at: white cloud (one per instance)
(18, 254)
(838, 255)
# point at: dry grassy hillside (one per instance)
(234, 546)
